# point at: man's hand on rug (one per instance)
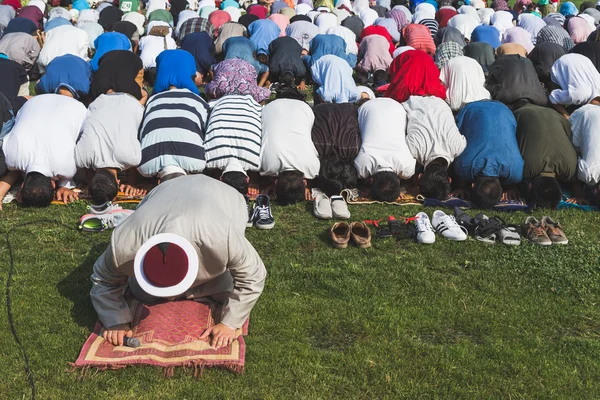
(222, 335)
(116, 334)
(66, 195)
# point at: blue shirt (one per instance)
(262, 33)
(492, 149)
(243, 48)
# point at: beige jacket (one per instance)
(208, 213)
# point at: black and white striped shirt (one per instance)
(172, 132)
(234, 132)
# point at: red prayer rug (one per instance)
(169, 334)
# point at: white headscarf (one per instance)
(578, 78)
(478, 4)
(234, 13)
(368, 16)
(184, 16)
(348, 36)
(485, 15)
(464, 23)
(419, 16)
(302, 9)
(471, 12)
(427, 8)
(137, 19)
(324, 21)
(502, 20)
(464, 78)
(360, 5)
(590, 20)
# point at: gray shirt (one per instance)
(212, 217)
(109, 136)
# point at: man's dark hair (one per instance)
(37, 190)
(434, 182)
(263, 58)
(385, 186)
(150, 76)
(545, 192)
(287, 88)
(487, 192)
(237, 180)
(103, 187)
(380, 77)
(290, 187)
(336, 175)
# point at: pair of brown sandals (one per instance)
(341, 233)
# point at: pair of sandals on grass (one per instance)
(488, 230)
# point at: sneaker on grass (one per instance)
(446, 226)
(425, 232)
(102, 222)
(536, 232)
(104, 208)
(262, 217)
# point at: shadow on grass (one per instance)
(76, 288)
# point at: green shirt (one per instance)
(544, 138)
(129, 5)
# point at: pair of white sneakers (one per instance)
(328, 208)
(441, 223)
(103, 217)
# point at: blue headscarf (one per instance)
(81, 5)
(20, 25)
(69, 72)
(262, 33)
(200, 45)
(327, 44)
(487, 34)
(243, 48)
(568, 8)
(175, 68)
(56, 22)
(106, 42)
(229, 3)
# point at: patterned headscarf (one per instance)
(554, 34)
(447, 51)
(235, 76)
(400, 17)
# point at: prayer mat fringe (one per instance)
(197, 368)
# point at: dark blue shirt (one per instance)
(492, 149)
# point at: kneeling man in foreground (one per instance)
(181, 243)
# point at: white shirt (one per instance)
(110, 133)
(152, 46)
(65, 39)
(286, 139)
(43, 137)
(382, 124)
(432, 132)
(586, 140)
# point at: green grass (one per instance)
(399, 320)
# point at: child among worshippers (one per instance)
(285, 60)
(119, 71)
(233, 140)
(68, 75)
(172, 128)
(333, 81)
(434, 141)
(244, 49)
(512, 80)
(108, 145)
(41, 144)
(578, 81)
(235, 76)
(384, 156)
(262, 33)
(375, 59)
(336, 136)
(287, 150)
(544, 139)
(584, 125)
(491, 158)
